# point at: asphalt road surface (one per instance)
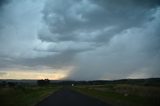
(67, 97)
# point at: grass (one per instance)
(123, 94)
(24, 96)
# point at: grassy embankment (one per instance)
(24, 96)
(123, 94)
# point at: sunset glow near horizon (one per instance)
(45, 74)
(79, 39)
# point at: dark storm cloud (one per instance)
(101, 39)
(67, 21)
(144, 3)
(4, 2)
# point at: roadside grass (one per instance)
(123, 94)
(24, 96)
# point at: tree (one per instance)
(43, 82)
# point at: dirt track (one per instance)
(67, 97)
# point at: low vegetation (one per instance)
(123, 94)
(24, 95)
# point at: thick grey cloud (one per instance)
(18, 28)
(75, 20)
(3, 2)
(101, 39)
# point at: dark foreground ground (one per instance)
(68, 97)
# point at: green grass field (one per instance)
(24, 96)
(123, 94)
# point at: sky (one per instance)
(79, 39)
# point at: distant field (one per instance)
(123, 94)
(24, 96)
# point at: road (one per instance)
(67, 97)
